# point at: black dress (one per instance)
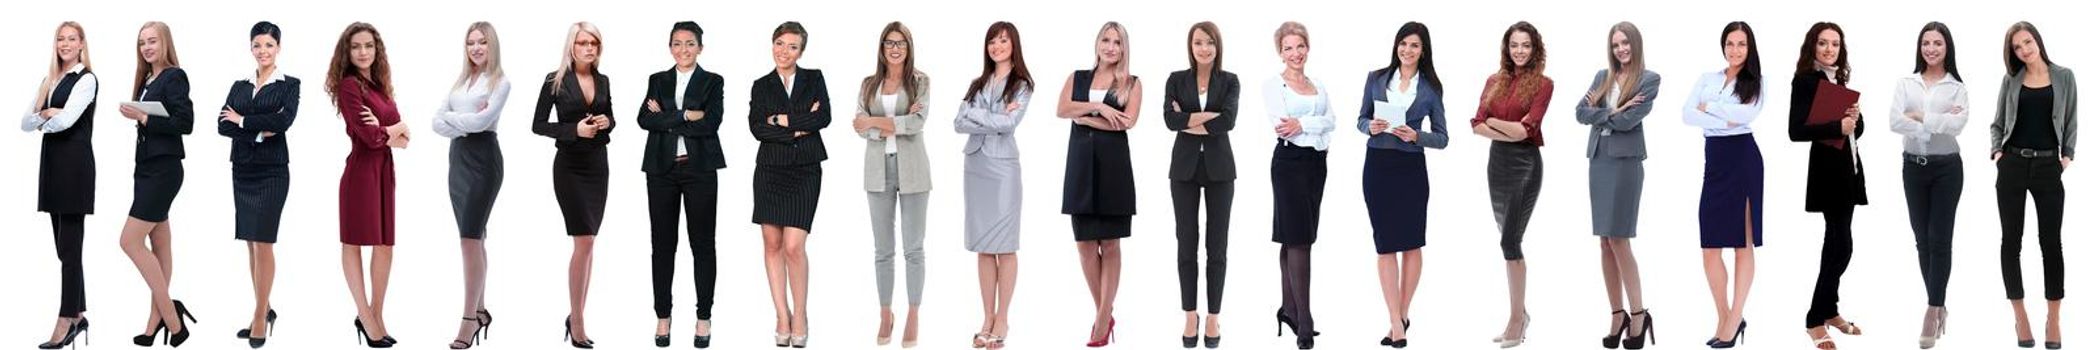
(66, 168)
(158, 176)
(789, 177)
(581, 175)
(1099, 184)
(261, 172)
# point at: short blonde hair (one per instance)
(1291, 28)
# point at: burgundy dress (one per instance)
(367, 174)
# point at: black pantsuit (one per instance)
(1202, 166)
(681, 158)
(66, 188)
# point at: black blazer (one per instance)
(556, 115)
(161, 136)
(271, 110)
(777, 145)
(66, 172)
(1215, 148)
(702, 139)
(1833, 178)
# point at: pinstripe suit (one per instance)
(789, 176)
(261, 177)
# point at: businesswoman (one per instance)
(1724, 104)
(1834, 181)
(1729, 212)
(1403, 116)
(64, 112)
(575, 110)
(1929, 110)
(891, 118)
(1511, 113)
(789, 107)
(683, 119)
(1099, 186)
(1615, 110)
(1201, 108)
(990, 113)
(2033, 140)
(468, 117)
(1301, 112)
(257, 113)
(158, 177)
(361, 83)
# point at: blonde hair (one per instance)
(568, 53)
(1122, 82)
(58, 67)
(1291, 28)
(1626, 89)
(494, 66)
(167, 49)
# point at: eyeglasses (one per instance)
(895, 44)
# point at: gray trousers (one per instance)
(883, 207)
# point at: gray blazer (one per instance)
(2063, 110)
(1618, 135)
(914, 171)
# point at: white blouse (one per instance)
(1938, 131)
(462, 113)
(82, 95)
(1723, 113)
(1313, 112)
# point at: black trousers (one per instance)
(1933, 184)
(699, 196)
(67, 233)
(1835, 248)
(1186, 204)
(2041, 177)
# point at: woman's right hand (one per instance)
(1378, 126)
(1290, 126)
(368, 118)
(586, 130)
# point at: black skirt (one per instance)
(786, 195)
(581, 178)
(1099, 184)
(1394, 185)
(476, 177)
(154, 185)
(258, 201)
(1298, 174)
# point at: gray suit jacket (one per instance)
(2063, 110)
(913, 170)
(1618, 135)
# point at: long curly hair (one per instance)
(1525, 79)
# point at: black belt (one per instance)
(2031, 153)
(1920, 159)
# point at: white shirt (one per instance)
(1938, 131)
(1313, 112)
(1721, 107)
(684, 81)
(787, 81)
(76, 104)
(1403, 100)
(888, 103)
(462, 113)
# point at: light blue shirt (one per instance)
(1723, 114)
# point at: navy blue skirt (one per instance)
(1732, 197)
(1394, 185)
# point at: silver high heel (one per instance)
(1520, 337)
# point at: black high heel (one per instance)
(568, 326)
(147, 339)
(1645, 333)
(181, 313)
(75, 331)
(1398, 343)
(1283, 319)
(1739, 337)
(704, 341)
(486, 319)
(269, 318)
(1616, 337)
(362, 335)
(471, 340)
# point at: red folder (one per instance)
(1831, 103)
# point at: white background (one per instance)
(1462, 298)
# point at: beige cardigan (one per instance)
(914, 169)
